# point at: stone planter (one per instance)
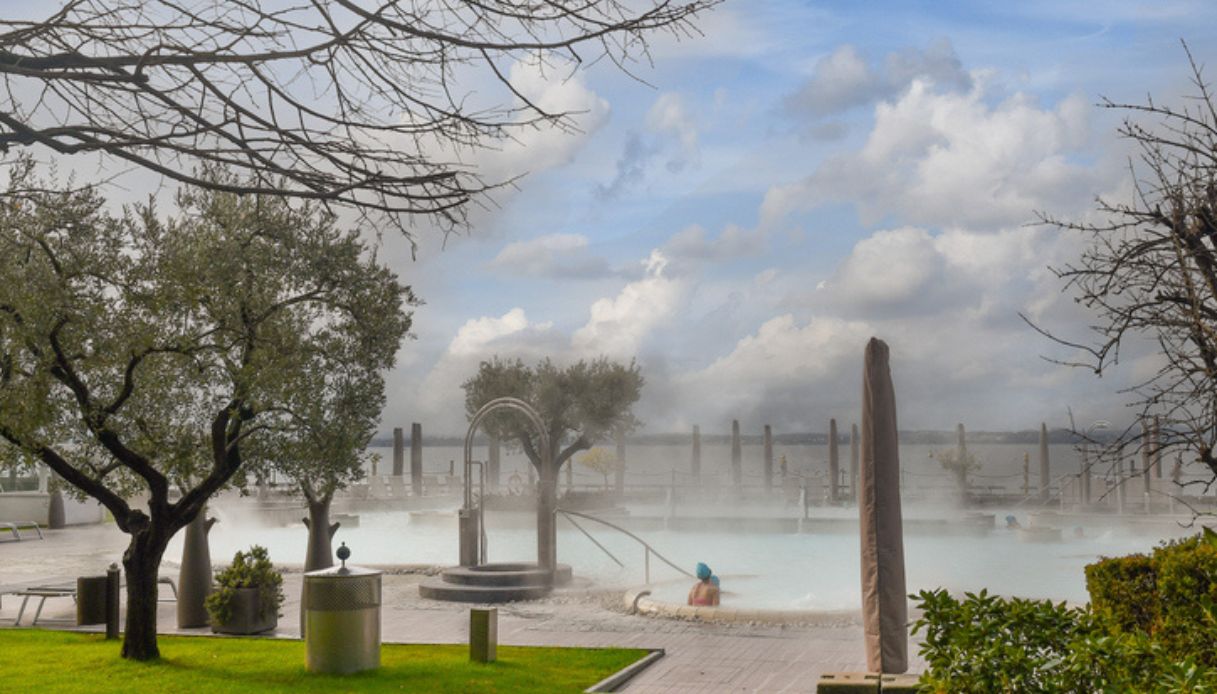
(244, 618)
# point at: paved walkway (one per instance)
(700, 657)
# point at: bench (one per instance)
(15, 528)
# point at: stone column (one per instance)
(620, 481)
(884, 601)
(853, 462)
(834, 462)
(768, 460)
(416, 459)
(961, 458)
(494, 464)
(399, 453)
(194, 574)
(1045, 472)
(737, 470)
(695, 465)
(1157, 439)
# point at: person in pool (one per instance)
(705, 591)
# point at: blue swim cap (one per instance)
(714, 581)
(703, 571)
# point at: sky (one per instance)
(759, 201)
(803, 177)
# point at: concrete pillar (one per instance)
(1045, 471)
(1121, 479)
(620, 481)
(399, 454)
(768, 460)
(695, 465)
(483, 634)
(416, 459)
(1147, 462)
(1026, 474)
(853, 461)
(961, 457)
(1157, 439)
(834, 463)
(737, 470)
(1085, 474)
(494, 465)
(884, 594)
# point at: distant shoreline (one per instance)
(1055, 436)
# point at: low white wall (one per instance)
(33, 506)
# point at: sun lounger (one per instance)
(59, 589)
(15, 528)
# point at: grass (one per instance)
(57, 661)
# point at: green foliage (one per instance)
(1123, 592)
(1150, 628)
(248, 570)
(601, 461)
(1187, 591)
(581, 404)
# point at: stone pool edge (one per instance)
(638, 601)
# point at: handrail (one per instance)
(650, 550)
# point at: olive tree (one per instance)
(141, 352)
(580, 404)
(323, 445)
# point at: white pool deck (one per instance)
(700, 657)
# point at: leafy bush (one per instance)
(1151, 627)
(1123, 593)
(985, 643)
(248, 570)
(1187, 592)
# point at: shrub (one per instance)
(1187, 592)
(985, 643)
(248, 570)
(1123, 593)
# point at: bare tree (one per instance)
(355, 103)
(1150, 274)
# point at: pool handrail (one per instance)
(649, 550)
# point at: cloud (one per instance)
(787, 374)
(955, 159)
(557, 256)
(844, 79)
(553, 88)
(671, 133)
(511, 335)
(670, 116)
(618, 326)
(694, 244)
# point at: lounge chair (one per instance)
(15, 528)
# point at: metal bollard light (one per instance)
(342, 618)
(113, 583)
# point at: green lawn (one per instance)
(56, 661)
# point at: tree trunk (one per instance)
(141, 562)
(320, 553)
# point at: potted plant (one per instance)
(247, 595)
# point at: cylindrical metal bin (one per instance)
(91, 600)
(342, 619)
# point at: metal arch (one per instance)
(511, 403)
(517, 405)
